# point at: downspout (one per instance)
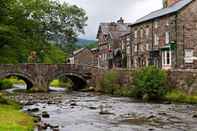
(152, 62)
(176, 30)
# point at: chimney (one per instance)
(167, 3)
(121, 21)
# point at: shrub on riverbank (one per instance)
(150, 83)
(5, 84)
(111, 84)
(180, 96)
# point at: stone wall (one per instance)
(183, 79)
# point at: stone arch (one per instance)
(78, 80)
(27, 79)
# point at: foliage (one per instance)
(26, 24)
(110, 84)
(176, 95)
(54, 55)
(149, 83)
(5, 84)
(91, 45)
(67, 84)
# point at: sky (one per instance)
(111, 10)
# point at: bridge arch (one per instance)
(79, 81)
(26, 78)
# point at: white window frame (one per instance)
(135, 33)
(128, 50)
(167, 60)
(156, 39)
(156, 24)
(189, 55)
(167, 37)
(147, 46)
(141, 33)
(147, 31)
(135, 48)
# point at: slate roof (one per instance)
(116, 35)
(105, 27)
(120, 27)
(75, 53)
(165, 11)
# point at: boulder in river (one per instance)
(45, 114)
(33, 110)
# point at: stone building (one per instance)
(83, 56)
(109, 43)
(126, 48)
(167, 37)
(95, 53)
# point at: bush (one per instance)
(177, 95)
(5, 84)
(149, 83)
(111, 84)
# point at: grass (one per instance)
(12, 119)
(181, 97)
(14, 80)
(59, 83)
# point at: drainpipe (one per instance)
(176, 38)
(152, 62)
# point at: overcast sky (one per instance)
(111, 10)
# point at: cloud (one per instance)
(111, 10)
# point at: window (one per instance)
(141, 33)
(147, 32)
(141, 48)
(156, 24)
(167, 36)
(135, 34)
(147, 47)
(135, 48)
(156, 39)
(128, 50)
(189, 56)
(167, 23)
(166, 59)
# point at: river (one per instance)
(85, 111)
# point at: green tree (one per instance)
(25, 24)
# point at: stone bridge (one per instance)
(39, 76)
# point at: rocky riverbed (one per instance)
(82, 111)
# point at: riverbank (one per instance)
(12, 118)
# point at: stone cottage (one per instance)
(83, 56)
(109, 46)
(167, 37)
